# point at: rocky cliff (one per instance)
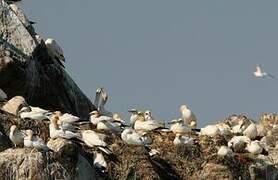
(28, 70)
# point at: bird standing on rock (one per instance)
(104, 99)
(32, 141)
(188, 116)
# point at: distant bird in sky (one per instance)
(259, 73)
(55, 51)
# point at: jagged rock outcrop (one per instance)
(27, 69)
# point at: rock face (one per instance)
(26, 69)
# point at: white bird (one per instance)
(96, 117)
(240, 126)
(210, 130)
(54, 50)
(99, 161)
(68, 118)
(3, 95)
(225, 129)
(36, 142)
(109, 126)
(146, 125)
(178, 126)
(133, 117)
(259, 73)
(97, 98)
(238, 143)
(179, 139)
(91, 138)
(154, 152)
(254, 147)
(188, 116)
(130, 136)
(27, 113)
(251, 131)
(57, 132)
(104, 99)
(16, 136)
(224, 151)
(148, 115)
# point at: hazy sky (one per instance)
(157, 54)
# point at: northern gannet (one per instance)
(133, 117)
(251, 131)
(259, 73)
(55, 51)
(36, 142)
(130, 136)
(148, 115)
(16, 136)
(3, 95)
(68, 118)
(99, 161)
(225, 129)
(96, 117)
(180, 139)
(224, 151)
(146, 125)
(97, 98)
(188, 116)
(109, 126)
(238, 143)
(254, 147)
(92, 139)
(57, 132)
(178, 126)
(104, 99)
(28, 113)
(210, 130)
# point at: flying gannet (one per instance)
(188, 116)
(104, 99)
(130, 136)
(3, 95)
(55, 51)
(36, 142)
(57, 132)
(16, 135)
(259, 73)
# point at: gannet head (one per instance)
(98, 91)
(141, 116)
(58, 113)
(54, 119)
(117, 117)
(29, 133)
(95, 114)
(133, 111)
(183, 107)
(25, 109)
(147, 113)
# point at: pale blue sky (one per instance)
(157, 54)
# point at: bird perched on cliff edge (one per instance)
(16, 135)
(188, 116)
(55, 51)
